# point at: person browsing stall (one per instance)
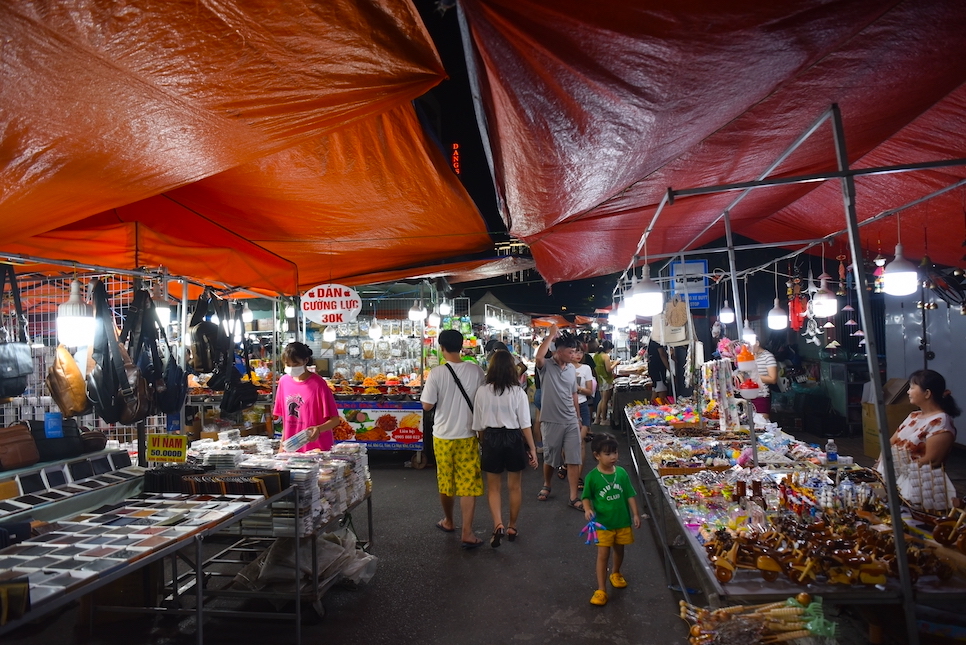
(450, 389)
(304, 401)
(559, 413)
(605, 379)
(924, 440)
(501, 412)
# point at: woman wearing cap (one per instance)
(923, 441)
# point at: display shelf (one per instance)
(747, 586)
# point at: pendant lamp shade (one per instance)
(375, 329)
(329, 334)
(75, 319)
(900, 278)
(445, 308)
(726, 315)
(777, 317)
(433, 319)
(824, 302)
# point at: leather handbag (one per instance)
(65, 445)
(209, 342)
(93, 441)
(66, 384)
(17, 448)
(114, 382)
(16, 363)
(239, 394)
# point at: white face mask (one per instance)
(295, 370)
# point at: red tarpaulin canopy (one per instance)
(263, 144)
(593, 110)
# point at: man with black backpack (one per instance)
(449, 390)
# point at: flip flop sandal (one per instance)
(471, 545)
(544, 494)
(442, 528)
(562, 472)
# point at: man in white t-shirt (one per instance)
(458, 472)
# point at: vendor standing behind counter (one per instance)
(923, 441)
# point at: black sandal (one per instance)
(580, 483)
(497, 536)
(562, 472)
(512, 536)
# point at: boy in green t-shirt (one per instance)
(609, 499)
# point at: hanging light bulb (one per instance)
(647, 298)
(417, 312)
(445, 308)
(375, 329)
(434, 319)
(726, 315)
(329, 334)
(900, 278)
(777, 317)
(824, 302)
(748, 334)
(75, 319)
(247, 314)
(290, 310)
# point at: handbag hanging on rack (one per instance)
(16, 363)
(114, 382)
(66, 384)
(238, 394)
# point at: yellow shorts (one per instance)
(458, 467)
(617, 536)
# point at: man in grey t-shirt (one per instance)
(559, 413)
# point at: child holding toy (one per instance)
(609, 499)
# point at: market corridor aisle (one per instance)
(534, 590)
(428, 591)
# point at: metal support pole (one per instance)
(739, 319)
(872, 354)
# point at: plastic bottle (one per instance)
(831, 453)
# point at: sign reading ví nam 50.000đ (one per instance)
(331, 304)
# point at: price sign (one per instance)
(167, 447)
(331, 304)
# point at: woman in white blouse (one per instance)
(501, 412)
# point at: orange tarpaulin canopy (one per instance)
(266, 145)
(546, 321)
(593, 110)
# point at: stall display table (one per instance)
(748, 584)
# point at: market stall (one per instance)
(764, 516)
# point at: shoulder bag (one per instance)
(114, 382)
(459, 384)
(16, 363)
(66, 384)
(17, 448)
(239, 394)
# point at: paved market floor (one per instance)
(429, 591)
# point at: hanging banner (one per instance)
(331, 304)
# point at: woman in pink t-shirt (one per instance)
(304, 401)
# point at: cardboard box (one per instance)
(895, 415)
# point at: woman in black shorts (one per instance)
(501, 412)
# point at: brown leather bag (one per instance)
(17, 448)
(67, 386)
